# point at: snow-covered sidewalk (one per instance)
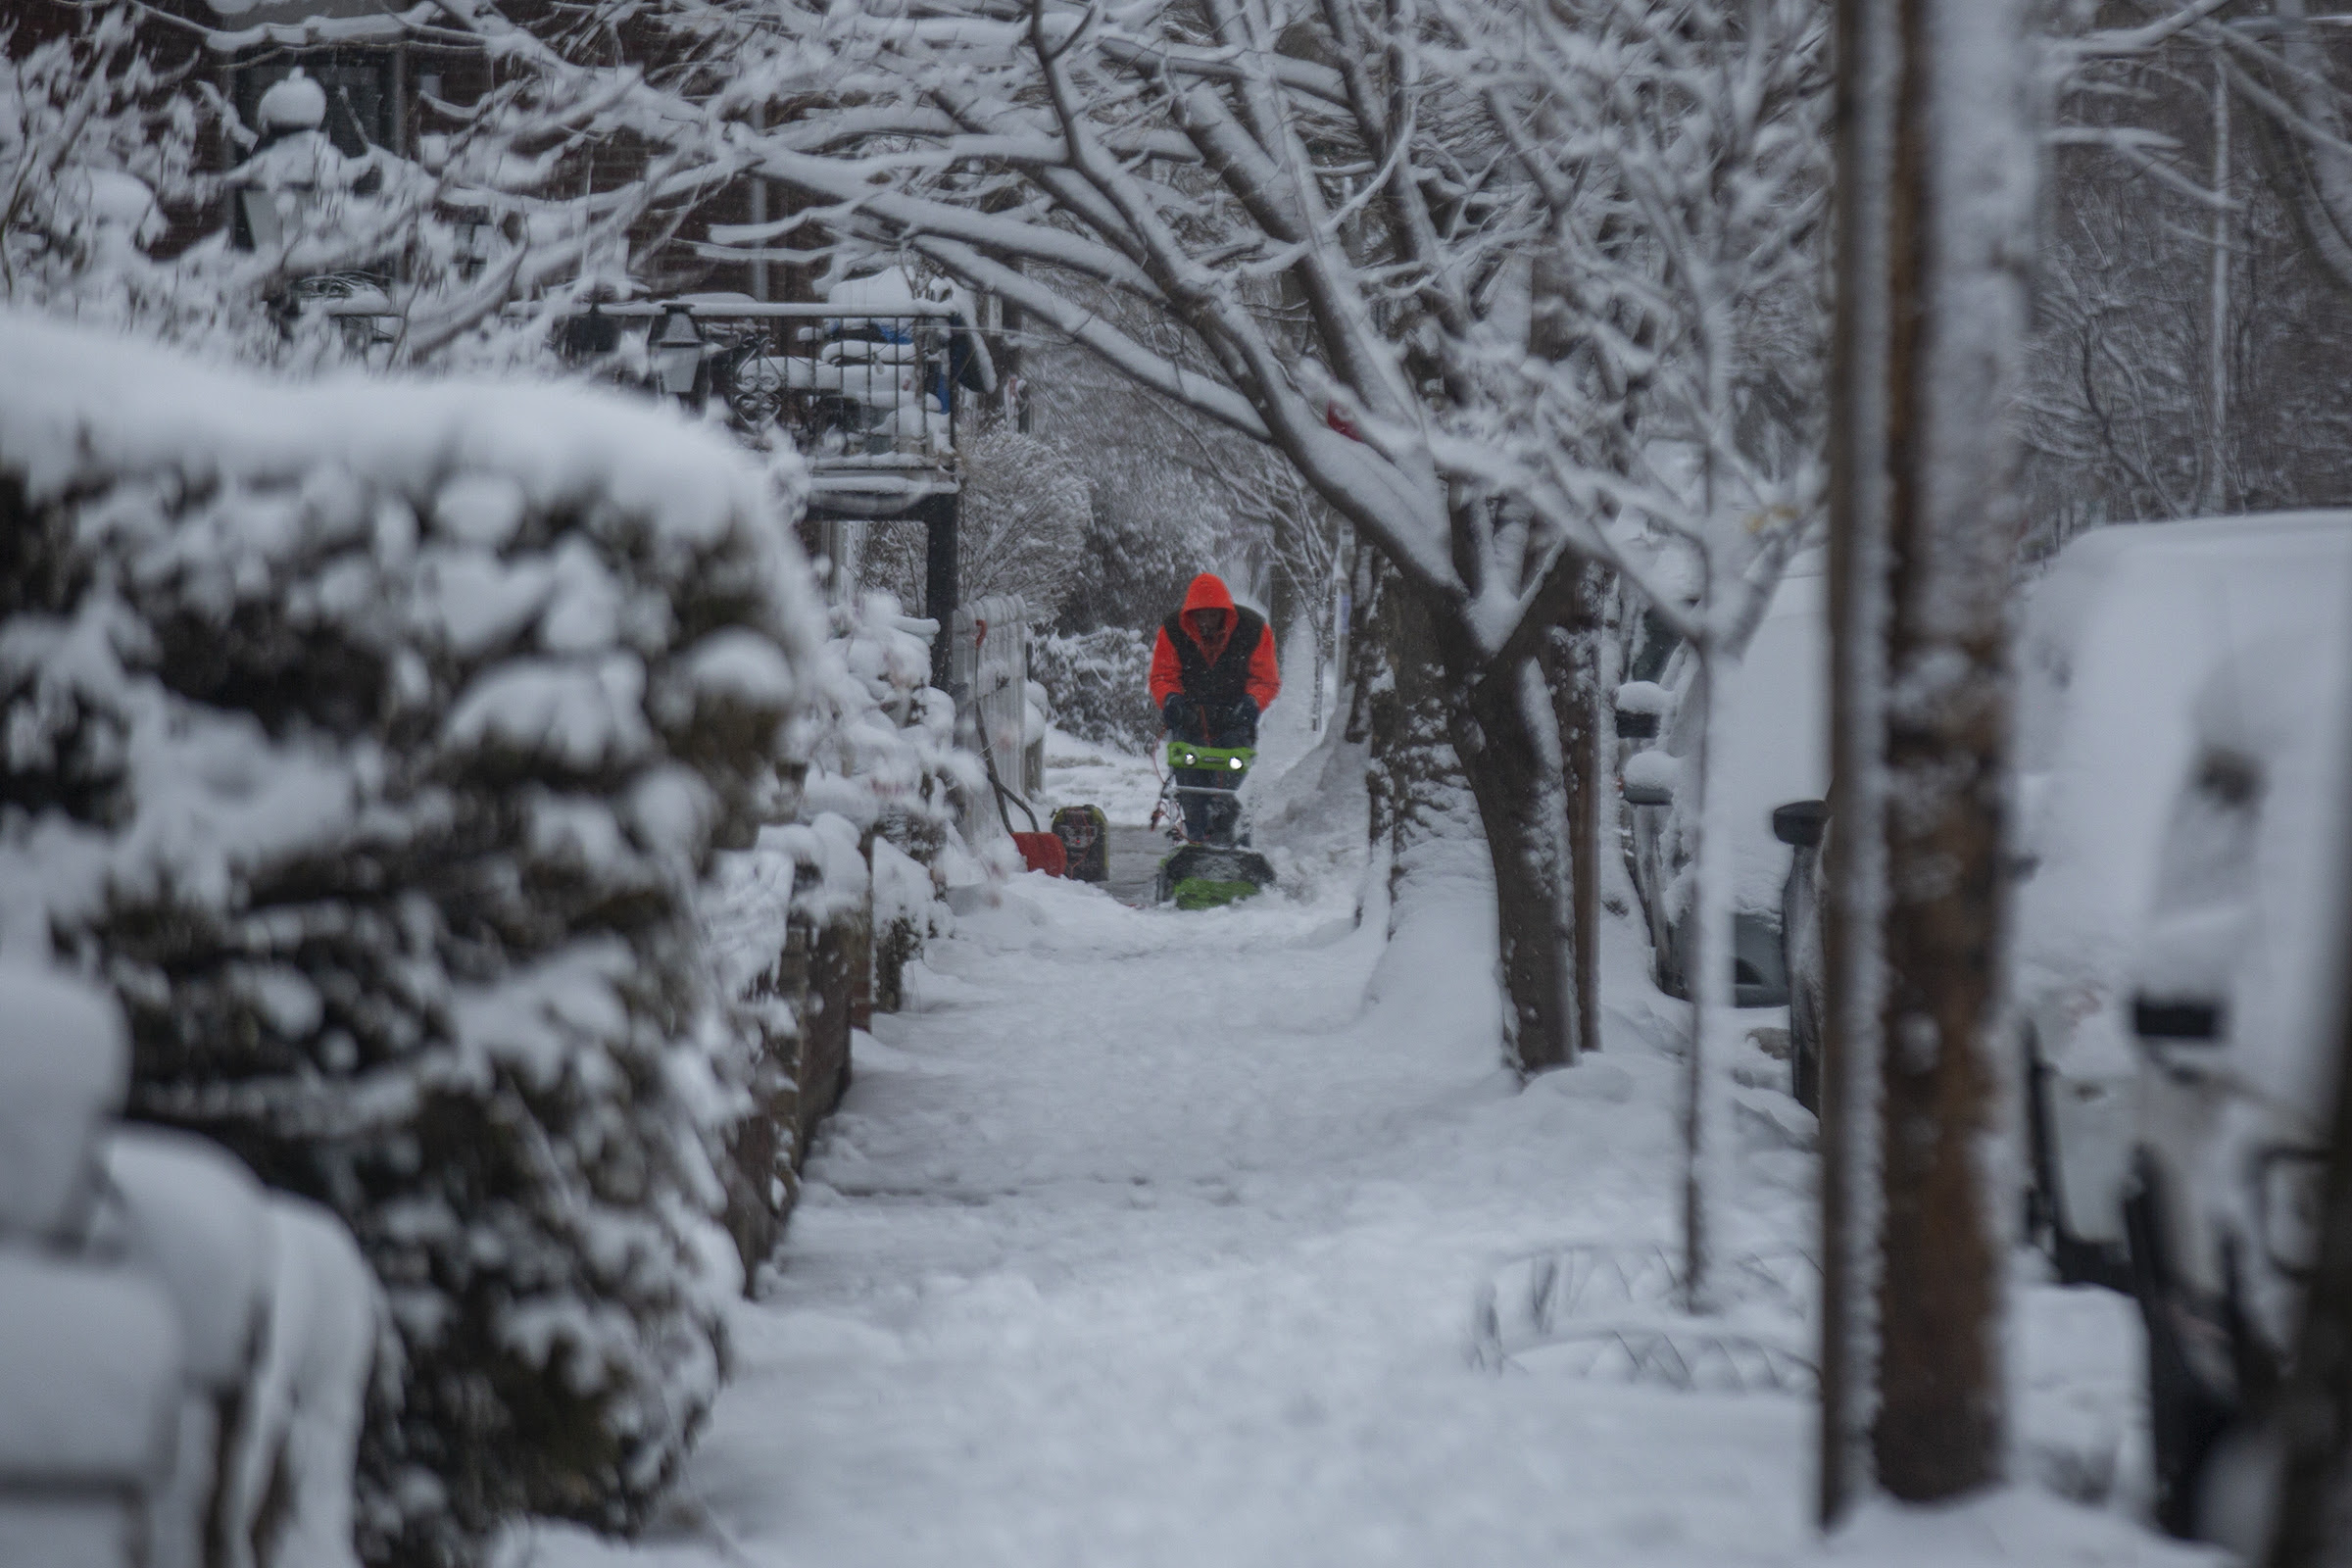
(1152, 1239)
(1132, 1246)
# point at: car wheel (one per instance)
(1804, 1056)
(2185, 1417)
(2237, 1488)
(2076, 1261)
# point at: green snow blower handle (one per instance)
(1220, 759)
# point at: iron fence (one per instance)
(854, 390)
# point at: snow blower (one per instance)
(1223, 869)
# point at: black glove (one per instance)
(1237, 723)
(1177, 711)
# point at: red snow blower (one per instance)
(1040, 850)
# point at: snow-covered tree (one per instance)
(95, 145)
(371, 744)
(374, 260)
(2192, 276)
(1325, 213)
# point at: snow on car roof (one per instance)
(2118, 640)
(1776, 737)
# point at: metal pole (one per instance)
(941, 580)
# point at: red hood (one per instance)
(1207, 592)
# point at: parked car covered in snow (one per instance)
(2235, 984)
(2118, 639)
(1774, 744)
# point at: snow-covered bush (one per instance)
(90, 1356)
(280, 1326)
(883, 759)
(876, 760)
(848, 877)
(370, 741)
(1099, 684)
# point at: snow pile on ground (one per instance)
(1143, 1238)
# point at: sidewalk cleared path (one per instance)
(1136, 1242)
(1144, 1240)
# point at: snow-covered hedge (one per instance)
(883, 758)
(1098, 680)
(849, 879)
(371, 740)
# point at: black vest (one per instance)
(1227, 680)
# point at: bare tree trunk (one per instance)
(2217, 318)
(1363, 670)
(1572, 670)
(1935, 169)
(1510, 752)
(1445, 718)
(1596, 760)
(1413, 762)
(1854, 866)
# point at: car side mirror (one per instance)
(2177, 1020)
(1799, 823)
(1649, 779)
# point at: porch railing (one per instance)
(868, 396)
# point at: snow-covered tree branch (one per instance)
(1335, 205)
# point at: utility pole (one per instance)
(1935, 168)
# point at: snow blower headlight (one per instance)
(1185, 753)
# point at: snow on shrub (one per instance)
(875, 753)
(372, 740)
(1098, 682)
(861, 855)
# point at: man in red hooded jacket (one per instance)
(1212, 673)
